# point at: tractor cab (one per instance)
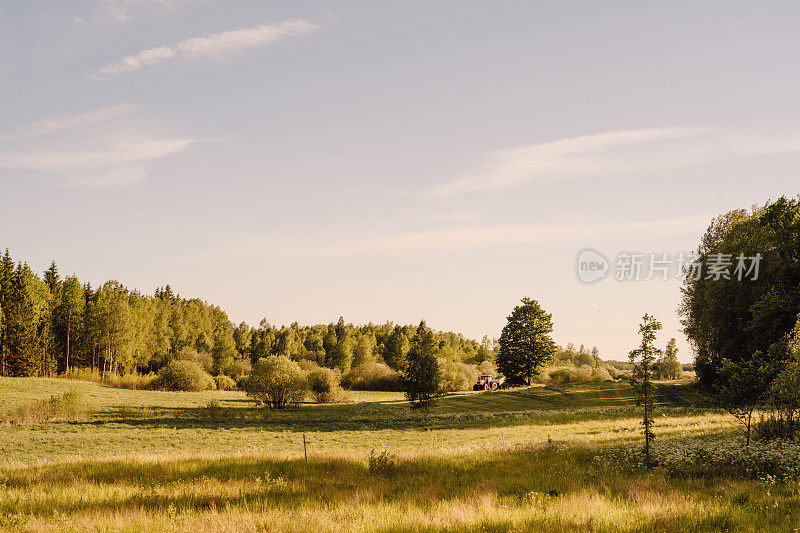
(486, 382)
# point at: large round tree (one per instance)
(749, 310)
(525, 344)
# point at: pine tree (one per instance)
(6, 278)
(21, 326)
(525, 343)
(52, 279)
(421, 375)
(643, 359)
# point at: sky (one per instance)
(392, 161)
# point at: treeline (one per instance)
(50, 325)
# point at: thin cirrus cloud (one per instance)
(77, 120)
(215, 45)
(458, 238)
(120, 10)
(99, 148)
(614, 153)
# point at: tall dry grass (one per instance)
(68, 407)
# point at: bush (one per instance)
(455, 376)
(68, 407)
(183, 376)
(775, 427)
(487, 368)
(570, 374)
(203, 359)
(277, 381)
(224, 382)
(373, 377)
(380, 464)
(238, 369)
(324, 385)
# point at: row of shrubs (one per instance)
(563, 375)
(186, 374)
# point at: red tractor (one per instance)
(487, 382)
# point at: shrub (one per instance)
(373, 377)
(224, 382)
(203, 359)
(324, 384)
(380, 464)
(775, 427)
(68, 407)
(570, 374)
(238, 369)
(183, 376)
(455, 376)
(487, 368)
(277, 381)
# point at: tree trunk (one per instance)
(69, 327)
(749, 419)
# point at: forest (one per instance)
(50, 325)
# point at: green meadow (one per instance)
(530, 459)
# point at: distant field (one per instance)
(527, 459)
(151, 422)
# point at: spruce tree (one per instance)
(421, 375)
(6, 278)
(21, 327)
(525, 343)
(643, 360)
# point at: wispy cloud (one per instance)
(215, 45)
(457, 238)
(614, 153)
(120, 10)
(63, 122)
(99, 148)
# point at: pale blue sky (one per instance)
(391, 160)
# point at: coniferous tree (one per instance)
(643, 359)
(6, 279)
(421, 375)
(525, 343)
(22, 321)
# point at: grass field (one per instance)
(525, 460)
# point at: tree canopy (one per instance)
(525, 343)
(729, 318)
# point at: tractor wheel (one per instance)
(494, 385)
(486, 387)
